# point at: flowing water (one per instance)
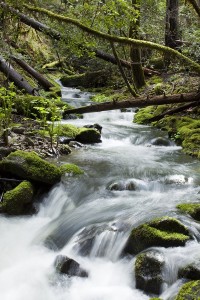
(89, 221)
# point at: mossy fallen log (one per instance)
(138, 102)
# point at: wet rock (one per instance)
(64, 149)
(65, 140)
(160, 141)
(18, 200)
(148, 272)
(163, 232)
(191, 272)
(28, 165)
(70, 117)
(122, 186)
(75, 144)
(189, 291)
(193, 209)
(95, 126)
(68, 266)
(88, 136)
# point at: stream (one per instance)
(87, 219)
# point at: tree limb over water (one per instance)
(139, 102)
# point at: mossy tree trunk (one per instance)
(135, 53)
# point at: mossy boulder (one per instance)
(28, 165)
(88, 136)
(68, 266)
(148, 272)
(191, 272)
(83, 135)
(189, 291)
(18, 200)
(161, 232)
(70, 169)
(193, 209)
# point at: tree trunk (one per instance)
(135, 53)
(15, 77)
(171, 24)
(139, 102)
(118, 39)
(196, 5)
(40, 78)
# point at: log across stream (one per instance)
(86, 209)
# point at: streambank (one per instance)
(183, 128)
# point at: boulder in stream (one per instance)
(191, 272)
(189, 291)
(192, 209)
(148, 272)
(88, 136)
(160, 232)
(68, 266)
(18, 200)
(28, 165)
(160, 141)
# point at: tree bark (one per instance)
(40, 78)
(196, 6)
(135, 52)
(139, 102)
(14, 76)
(171, 24)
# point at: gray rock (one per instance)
(18, 130)
(160, 141)
(68, 266)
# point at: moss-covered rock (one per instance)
(193, 209)
(71, 169)
(18, 200)
(28, 165)
(148, 272)
(189, 291)
(88, 136)
(83, 135)
(191, 272)
(163, 232)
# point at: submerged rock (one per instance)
(18, 200)
(68, 266)
(122, 186)
(193, 209)
(191, 272)
(163, 232)
(160, 141)
(148, 272)
(189, 291)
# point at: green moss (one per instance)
(28, 165)
(14, 201)
(143, 115)
(193, 209)
(163, 232)
(189, 291)
(71, 169)
(67, 130)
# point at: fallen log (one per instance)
(139, 102)
(15, 77)
(174, 111)
(58, 36)
(46, 84)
